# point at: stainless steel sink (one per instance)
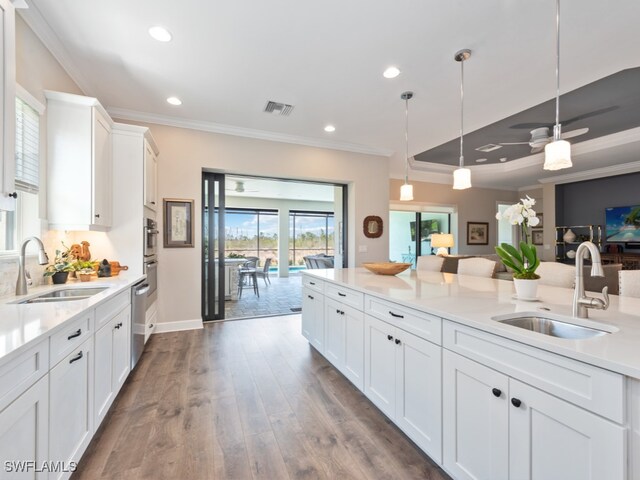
(552, 327)
(64, 295)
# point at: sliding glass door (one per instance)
(213, 252)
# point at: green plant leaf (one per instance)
(511, 250)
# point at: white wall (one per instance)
(185, 153)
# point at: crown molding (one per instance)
(136, 116)
(610, 171)
(36, 22)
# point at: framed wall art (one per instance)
(537, 237)
(477, 233)
(178, 223)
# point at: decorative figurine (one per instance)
(105, 269)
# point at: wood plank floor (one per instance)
(246, 399)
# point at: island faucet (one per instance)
(581, 302)
(21, 283)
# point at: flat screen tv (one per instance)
(623, 224)
(427, 227)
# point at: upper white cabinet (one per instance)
(150, 175)
(79, 163)
(7, 105)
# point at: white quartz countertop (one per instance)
(473, 301)
(22, 325)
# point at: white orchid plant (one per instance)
(524, 261)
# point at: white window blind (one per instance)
(27, 147)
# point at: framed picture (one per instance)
(540, 216)
(178, 223)
(477, 233)
(537, 237)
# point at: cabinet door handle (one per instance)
(13, 195)
(153, 203)
(341, 312)
(77, 357)
(74, 335)
(398, 342)
(496, 392)
(151, 325)
(389, 337)
(395, 314)
(337, 311)
(97, 215)
(342, 294)
(311, 283)
(310, 297)
(516, 402)
(116, 326)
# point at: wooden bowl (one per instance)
(386, 268)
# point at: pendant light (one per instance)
(557, 154)
(462, 176)
(406, 190)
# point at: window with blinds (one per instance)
(27, 147)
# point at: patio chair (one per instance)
(264, 273)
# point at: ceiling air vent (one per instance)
(490, 147)
(276, 108)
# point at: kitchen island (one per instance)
(485, 399)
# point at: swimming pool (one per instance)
(295, 268)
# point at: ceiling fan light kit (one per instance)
(462, 176)
(557, 154)
(406, 190)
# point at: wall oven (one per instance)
(150, 238)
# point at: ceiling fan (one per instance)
(540, 137)
(239, 188)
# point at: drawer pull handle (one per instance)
(516, 402)
(398, 342)
(74, 335)
(342, 294)
(311, 283)
(151, 325)
(310, 297)
(395, 314)
(76, 358)
(496, 392)
(337, 311)
(389, 337)
(341, 312)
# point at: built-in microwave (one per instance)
(150, 237)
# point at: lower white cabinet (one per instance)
(403, 378)
(112, 361)
(313, 318)
(151, 320)
(24, 435)
(344, 340)
(496, 427)
(71, 406)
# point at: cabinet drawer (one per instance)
(344, 295)
(595, 389)
(422, 324)
(23, 371)
(72, 334)
(111, 307)
(313, 283)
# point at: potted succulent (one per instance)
(523, 261)
(59, 270)
(85, 269)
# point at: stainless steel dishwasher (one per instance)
(138, 310)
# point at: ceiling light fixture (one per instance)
(174, 101)
(160, 34)
(406, 190)
(557, 154)
(391, 72)
(329, 129)
(461, 175)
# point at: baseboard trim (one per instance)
(178, 326)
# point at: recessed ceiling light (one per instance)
(174, 101)
(481, 160)
(391, 72)
(160, 34)
(503, 159)
(329, 128)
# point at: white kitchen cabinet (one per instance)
(151, 321)
(71, 406)
(344, 339)
(112, 361)
(496, 427)
(7, 105)
(403, 378)
(150, 176)
(313, 318)
(24, 435)
(79, 163)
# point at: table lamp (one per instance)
(442, 241)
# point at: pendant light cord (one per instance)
(406, 140)
(461, 112)
(556, 130)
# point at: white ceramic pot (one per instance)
(569, 236)
(526, 289)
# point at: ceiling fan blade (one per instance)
(574, 133)
(532, 126)
(537, 149)
(590, 114)
(515, 143)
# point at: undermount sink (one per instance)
(553, 327)
(64, 295)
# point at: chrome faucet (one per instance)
(581, 302)
(21, 283)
